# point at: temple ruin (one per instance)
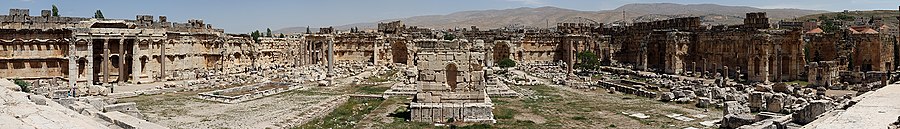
(452, 75)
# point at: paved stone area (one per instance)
(875, 110)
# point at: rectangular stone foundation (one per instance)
(444, 112)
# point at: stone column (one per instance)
(135, 62)
(725, 77)
(703, 72)
(73, 65)
(89, 64)
(330, 57)
(375, 51)
(122, 75)
(715, 70)
(162, 60)
(694, 68)
(105, 61)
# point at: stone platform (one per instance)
(875, 110)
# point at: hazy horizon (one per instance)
(244, 16)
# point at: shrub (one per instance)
(23, 85)
(506, 63)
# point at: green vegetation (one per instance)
(369, 89)
(475, 126)
(23, 85)
(344, 116)
(307, 30)
(255, 35)
(98, 15)
(844, 17)
(798, 82)
(587, 61)
(268, 32)
(828, 25)
(281, 35)
(449, 36)
(387, 76)
(579, 118)
(504, 113)
(806, 52)
(55, 11)
(506, 63)
(887, 15)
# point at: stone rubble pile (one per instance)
(556, 72)
(24, 110)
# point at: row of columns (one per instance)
(121, 62)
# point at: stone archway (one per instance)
(501, 51)
(451, 72)
(143, 61)
(82, 64)
(399, 52)
(757, 69)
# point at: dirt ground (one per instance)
(550, 106)
(564, 107)
(182, 110)
(289, 109)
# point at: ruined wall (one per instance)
(871, 52)
(538, 47)
(32, 54)
(275, 52)
(317, 47)
(667, 51)
(823, 73)
(823, 47)
(356, 47)
(439, 60)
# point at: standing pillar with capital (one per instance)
(122, 76)
(105, 61)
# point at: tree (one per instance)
(506, 63)
(55, 11)
(587, 61)
(281, 35)
(98, 15)
(307, 30)
(449, 36)
(268, 32)
(255, 35)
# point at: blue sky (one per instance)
(241, 16)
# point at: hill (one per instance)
(889, 16)
(549, 16)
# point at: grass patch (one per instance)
(798, 82)
(370, 89)
(387, 76)
(475, 126)
(504, 113)
(579, 118)
(344, 116)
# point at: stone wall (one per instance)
(871, 52)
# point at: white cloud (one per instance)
(530, 2)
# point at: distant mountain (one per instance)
(889, 16)
(292, 30)
(549, 16)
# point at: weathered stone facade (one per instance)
(823, 73)
(113, 51)
(451, 82)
